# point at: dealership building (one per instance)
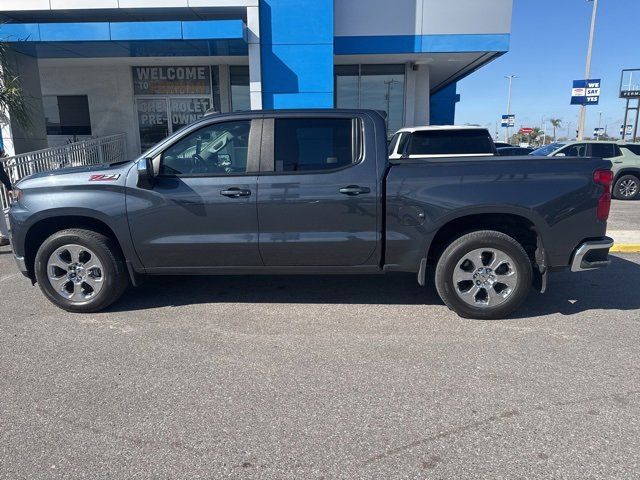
(93, 68)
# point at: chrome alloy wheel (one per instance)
(485, 277)
(75, 273)
(628, 188)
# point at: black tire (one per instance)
(627, 187)
(115, 279)
(458, 250)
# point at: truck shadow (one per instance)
(567, 294)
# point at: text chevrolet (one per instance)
(312, 192)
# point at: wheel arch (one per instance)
(627, 171)
(522, 228)
(46, 225)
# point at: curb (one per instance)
(625, 248)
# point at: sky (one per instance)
(548, 51)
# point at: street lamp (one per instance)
(510, 78)
(587, 73)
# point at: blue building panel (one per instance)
(466, 43)
(19, 32)
(296, 22)
(297, 68)
(214, 30)
(361, 45)
(77, 32)
(146, 30)
(298, 100)
(296, 53)
(442, 105)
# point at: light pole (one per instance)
(510, 78)
(389, 84)
(587, 71)
(599, 124)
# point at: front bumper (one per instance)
(591, 254)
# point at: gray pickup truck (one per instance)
(311, 192)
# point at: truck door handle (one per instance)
(235, 192)
(354, 190)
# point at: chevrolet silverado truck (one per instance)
(311, 192)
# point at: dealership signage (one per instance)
(598, 132)
(508, 120)
(626, 131)
(172, 80)
(585, 92)
(526, 130)
(630, 83)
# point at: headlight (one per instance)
(15, 195)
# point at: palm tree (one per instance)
(555, 123)
(12, 98)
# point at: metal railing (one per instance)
(93, 151)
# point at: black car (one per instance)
(513, 151)
(502, 144)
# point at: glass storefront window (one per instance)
(170, 97)
(239, 80)
(186, 110)
(152, 121)
(379, 87)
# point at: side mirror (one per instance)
(146, 175)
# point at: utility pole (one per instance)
(587, 72)
(510, 78)
(599, 123)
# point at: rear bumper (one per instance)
(591, 255)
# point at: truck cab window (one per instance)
(450, 142)
(314, 144)
(218, 149)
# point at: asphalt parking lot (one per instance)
(321, 377)
(625, 215)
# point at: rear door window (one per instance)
(314, 144)
(603, 150)
(450, 142)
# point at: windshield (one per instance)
(547, 149)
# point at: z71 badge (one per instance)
(104, 178)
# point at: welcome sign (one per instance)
(172, 80)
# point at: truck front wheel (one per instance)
(484, 275)
(81, 270)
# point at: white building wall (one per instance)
(421, 17)
(110, 94)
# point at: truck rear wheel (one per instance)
(484, 275)
(81, 270)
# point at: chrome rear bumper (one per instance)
(591, 255)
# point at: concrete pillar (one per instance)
(34, 136)
(225, 88)
(417, 85)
